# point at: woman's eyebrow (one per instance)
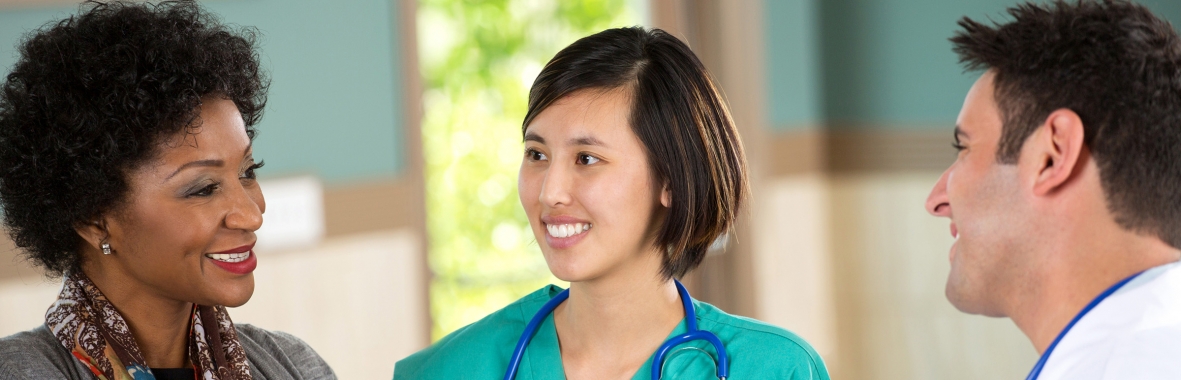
(586, 140)
(199, 163)
(207, 163)
(583, 140)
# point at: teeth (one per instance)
(230, 257)
(566, 230)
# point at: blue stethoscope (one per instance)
(723, 362)
(1037, 368)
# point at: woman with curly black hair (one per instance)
(126, 168)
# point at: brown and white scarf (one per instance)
(88, 325)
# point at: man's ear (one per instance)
(94, 232)
(1055, 149)
(666, 196)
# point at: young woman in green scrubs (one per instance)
(632, 167)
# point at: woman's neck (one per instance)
(610, 326)
(160, 326)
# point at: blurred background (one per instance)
(392, 141)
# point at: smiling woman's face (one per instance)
(185, 231)
(587, 189)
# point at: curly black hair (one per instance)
(92, 96)
(1118, 67)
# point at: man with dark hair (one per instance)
(1065, 198)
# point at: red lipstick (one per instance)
(239, 260)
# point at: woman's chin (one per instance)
(236, 294)
(572, 272)
(562, 274)
(238, 302)
(569, 265)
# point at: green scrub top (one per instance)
(482, 349)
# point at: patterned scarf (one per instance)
(88, 325)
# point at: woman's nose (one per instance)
(246, 208)
(556, 187)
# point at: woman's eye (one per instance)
(534, 155)
(249, 173)
(958, 147)
(205, 191)
(586, 159)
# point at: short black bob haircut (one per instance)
(680, 118)
(1118, 67)
(93, 96)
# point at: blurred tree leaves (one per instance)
(478, 59)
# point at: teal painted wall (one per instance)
(793, 68)
(874, 63)
(335, 101)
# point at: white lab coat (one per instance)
(1133, 334)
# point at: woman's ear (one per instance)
(666, 196)
(94, 232)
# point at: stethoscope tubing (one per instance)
(723, 365)
(514, 363)
(1041, 362)
(693, 333)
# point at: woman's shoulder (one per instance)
(276, 354)
(762, 345)
(37, 354)
(485, 343)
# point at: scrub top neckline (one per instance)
(544, 348)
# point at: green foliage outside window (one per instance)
(478, 59)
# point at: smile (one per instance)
(566, 230)
(230, 257)
(238, 261)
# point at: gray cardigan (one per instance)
(37, 354)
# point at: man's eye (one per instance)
(586, 159)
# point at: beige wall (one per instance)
(24, 301)
(792, 250)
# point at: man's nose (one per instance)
(937, 202)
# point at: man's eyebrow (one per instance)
(198, 163)
(534, 137)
